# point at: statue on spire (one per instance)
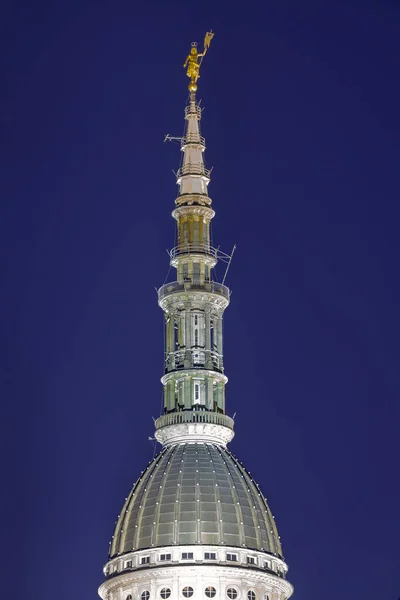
(194, 59)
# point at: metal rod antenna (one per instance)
(229, 264)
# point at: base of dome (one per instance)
(194, 432)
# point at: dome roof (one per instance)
(195, 493)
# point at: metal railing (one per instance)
(189, 111)
(198, 248)
(192, 138)
(193, 248)
(193, 169)
(210, 286)
(194, 417)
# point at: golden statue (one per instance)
(192, 61)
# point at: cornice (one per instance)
(161, 572)
(194, 432)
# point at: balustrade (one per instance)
(194, 417)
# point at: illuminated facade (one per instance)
(195, 524)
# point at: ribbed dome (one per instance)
(195, 494)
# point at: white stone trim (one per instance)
(194, 432)
(181, 374)
(203, 211)
(198, 577)
(198, 557)
(196, 298)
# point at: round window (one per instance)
(145, 595)
(231, 593)
(187, 591)
(251, 595)
(210, 591)
(165, 593)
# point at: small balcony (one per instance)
(189, 111)
(194, 248)
(211, 286)
(193, 138)
(191, 416)
(193, 169)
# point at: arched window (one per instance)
(129, 597)
(251, 595)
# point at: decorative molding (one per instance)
(194, 373)
(193, 209)
(198, 577)
(194, 432)
(180, 298)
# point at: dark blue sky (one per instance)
(302, 124)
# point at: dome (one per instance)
(195, 493)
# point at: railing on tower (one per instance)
(194, 417)
(193, 248)
(192, 138)
(190, 110)
(207, 286)
(193, 169)
(198, 248)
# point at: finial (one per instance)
(194, 59)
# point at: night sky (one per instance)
(302, 124)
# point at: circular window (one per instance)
(210, 591)
(251, 595)
(231, 593)
(145, 595)
(187, 591)
(165, 593)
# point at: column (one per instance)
(201, 232)
(169, 341)
(202, 273)
(219, 335)
(170, 395)
(187, 386)
(220, 397)
(181, 330)
(188, 341)
(209, 399)
(208, 338)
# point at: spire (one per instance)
(194, 380)
(193, 177)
